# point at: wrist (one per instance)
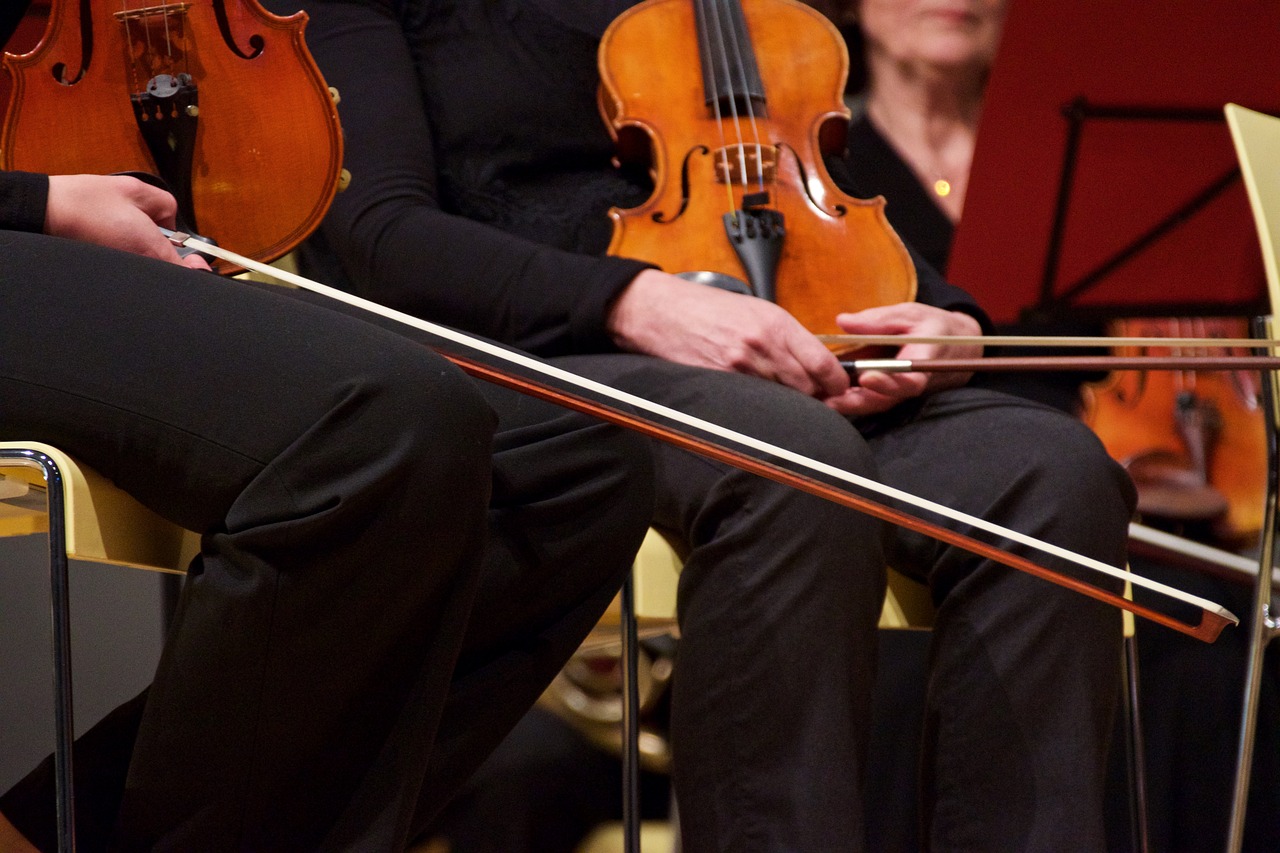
(628, 315)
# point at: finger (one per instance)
(159, 206)
(858, 402)
(152, 244)
(807, 366)
(897, 386)
(882, 320)
(824, 371)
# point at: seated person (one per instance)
(479, 197)
(394, 560)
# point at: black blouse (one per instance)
(875, 168)
(481, 170)
(22, 201)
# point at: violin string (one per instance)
(168, 40)
(127, 20)
(709, 77)
(1182, 379)
(1197, 328)
(718, 26)
(146, 31)
(739, 51)
(639, 403)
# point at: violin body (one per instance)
(1193, 442)
(713, 159)
(218, 97)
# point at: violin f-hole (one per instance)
(835, 210)
(59, 69)
(256, 41)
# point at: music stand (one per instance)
(1104, 182)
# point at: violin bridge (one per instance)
(162, 9)
(746, 164)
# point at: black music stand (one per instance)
(1104, 182)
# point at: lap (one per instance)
(154, 374)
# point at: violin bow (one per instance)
(1052, 341)
(1173, 361)
(1064, 362)
(1213, 618)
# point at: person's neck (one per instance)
(931, 119)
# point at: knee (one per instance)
(802, 425)
(1063, 457)
(416, 405)
(617, 477)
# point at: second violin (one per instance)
(734, 104)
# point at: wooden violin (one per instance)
(733, 104)
(211, 95)
(1194, 442)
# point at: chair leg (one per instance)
(60, 605)
(1135, 748)
(1263, 628)
(630, 721)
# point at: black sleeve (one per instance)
(23, 196)
(395, 243)
(10, 16)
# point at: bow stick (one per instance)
(1087, 362)
(1051, 341)
(1213, 618)
(1029, 363)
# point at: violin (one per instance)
(1194, 442)
(210, 95)
(733, 120)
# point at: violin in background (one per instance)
(219, 98)
(1194, 442)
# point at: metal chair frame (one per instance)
(1257, 142)
(87, 518)
(60, 607)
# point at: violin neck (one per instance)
(730, 76)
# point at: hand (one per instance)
(666, 316)
(877, 391)
(116, 211)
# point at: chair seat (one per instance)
(103, 523)
(656, 577)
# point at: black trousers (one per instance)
(394, 560)
(780, 596)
